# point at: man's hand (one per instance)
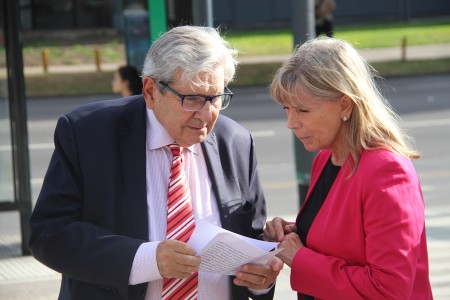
(176, 259)
(259, 277)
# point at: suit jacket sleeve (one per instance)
(68, 233)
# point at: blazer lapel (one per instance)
(133, 159)
(215, 170)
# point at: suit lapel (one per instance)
(215, 170)
(133, 159)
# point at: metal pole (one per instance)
(209, 13)
(18, 117)
(303, 29)
(157, 18)
(202, 13)
(303, 21)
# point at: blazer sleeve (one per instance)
(392, 211)
(61, 238)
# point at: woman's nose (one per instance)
(292, 120)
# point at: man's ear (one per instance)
(347, 106)
(149, 89)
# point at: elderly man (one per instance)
(130, 177)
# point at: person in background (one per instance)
(127, 81)
(323, 11)
(130, 178)
(360, 233)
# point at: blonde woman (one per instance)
(360, 233)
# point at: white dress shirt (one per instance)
(145, 268)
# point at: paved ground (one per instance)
(25, 278)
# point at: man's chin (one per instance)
(192, 141)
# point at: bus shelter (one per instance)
(15, 190)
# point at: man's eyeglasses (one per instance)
(196, 102)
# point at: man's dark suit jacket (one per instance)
(91, 215)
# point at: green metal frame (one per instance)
(157, 18)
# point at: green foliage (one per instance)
(253, 43)
(271, 42)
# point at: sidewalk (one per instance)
(372, 55)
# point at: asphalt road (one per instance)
(423, 102)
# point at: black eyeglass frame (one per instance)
(227, 93)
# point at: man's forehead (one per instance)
(206, 79)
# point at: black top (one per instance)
(315, 202)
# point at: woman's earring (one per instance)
(344, 118)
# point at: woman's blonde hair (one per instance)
(327, 69)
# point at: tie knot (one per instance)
(176, 149)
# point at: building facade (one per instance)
(234, 14)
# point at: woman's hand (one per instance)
(290, 245)
(276, 230)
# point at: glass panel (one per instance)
(6, 168)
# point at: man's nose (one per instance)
(205, 113)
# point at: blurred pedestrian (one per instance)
(127, 81)
(324, 17)
(360, 233)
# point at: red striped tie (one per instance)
(180, 225)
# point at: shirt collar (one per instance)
(158, 137)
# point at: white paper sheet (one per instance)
(223, 251)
